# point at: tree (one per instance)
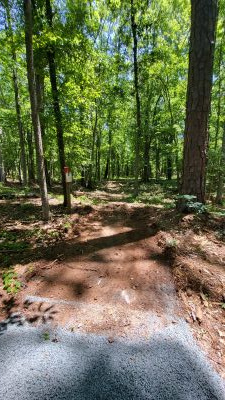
(56, 106)
(221, 174)
(16, 94)
(34, 107)
(137, 94)
(202, 44)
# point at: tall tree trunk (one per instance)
(157, 161)
(219, 92)
(40, 102)
(34, 107)
(220, 187)
(108, 168)
(146, 169)
(31, 173)
(169, 168)
(56, 106)
(202, 44)
(94, 136)
(98, 156)
(2, 170)
(16, 96)
(147, 138)
(137, 96)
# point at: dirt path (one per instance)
(103, 270)
(112, 278)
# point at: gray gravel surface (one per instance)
(168, 366)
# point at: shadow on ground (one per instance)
(34, 313)
(88, 367)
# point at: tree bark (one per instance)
(220, 187)
(34, 107)
(219, 92)
(157, 161)
(146, 168)
(202, 44)
(16, 96)
(137, 96)
(108, 168)
(31, 173)
(92, 174)
(98, 156)
(40, 102)
(2, 169)
(56, 106)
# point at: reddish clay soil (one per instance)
(110, 278)
(119, 269)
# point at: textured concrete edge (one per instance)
(179, 333)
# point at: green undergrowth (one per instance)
(14, 241)
(11, 283)
(8, 192)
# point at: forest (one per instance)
(112, 207)
(110, 94)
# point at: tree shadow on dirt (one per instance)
(28, 212)
(71, 248)
(33, 313)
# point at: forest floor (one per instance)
(117, 265)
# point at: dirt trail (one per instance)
(112, 279)
(112, 268)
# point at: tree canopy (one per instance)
(89, 46)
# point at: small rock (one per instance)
(110, 339)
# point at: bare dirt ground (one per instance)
(116, 268)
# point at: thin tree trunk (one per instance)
(31, 173)
(169, 168)
(16, 95)
(34, 107)
(147, 139)
(137, 96)
(220, 187)
(40, 102)
(94, 133)
(106, 169)
(98, 156)
(109, 156)
(146, 169)
(219, 93)
(157, 162)
(202, 44)
(56, 106)
(2, 169)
